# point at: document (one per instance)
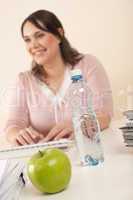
(3, 166)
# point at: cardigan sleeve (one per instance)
(99, 84)
(17, 105)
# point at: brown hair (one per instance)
(47, 21)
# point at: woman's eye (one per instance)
(40, 35)
(27, 40)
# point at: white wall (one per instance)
(103, 28)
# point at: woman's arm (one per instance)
(18, 117)
(104, 120)
(17, 125)
(99, 84)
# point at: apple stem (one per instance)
(41, 153)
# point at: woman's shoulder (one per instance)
(25, 77)
(89, 62)
(89, 59)
(25, 74)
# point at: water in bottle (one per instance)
(85, 123)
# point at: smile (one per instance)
(38, 52)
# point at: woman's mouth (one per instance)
(39, 52)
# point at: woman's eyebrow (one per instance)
(38, 32)
(34, 34)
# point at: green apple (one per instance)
(49, 170)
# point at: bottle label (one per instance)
(88, 140)
(88, 126)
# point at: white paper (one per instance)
(3, 165)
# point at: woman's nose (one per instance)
(33, 43)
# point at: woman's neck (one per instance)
(55, 69)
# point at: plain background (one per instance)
(103, 28)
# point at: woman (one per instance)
(40, 109)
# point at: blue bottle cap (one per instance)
(76, 74)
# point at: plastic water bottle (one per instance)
(85, 123)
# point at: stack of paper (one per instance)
(3, 167)
(11, 179)
(127, 131)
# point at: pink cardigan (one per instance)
(34, 104)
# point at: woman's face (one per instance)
(42, 46)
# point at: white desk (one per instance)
(113, 181)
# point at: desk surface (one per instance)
(113, 180)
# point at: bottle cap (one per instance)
(76, 74)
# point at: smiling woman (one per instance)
(42, 46)
(40, 108)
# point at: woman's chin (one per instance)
(40, 61)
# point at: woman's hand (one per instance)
(28, 136)
(60, 130)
